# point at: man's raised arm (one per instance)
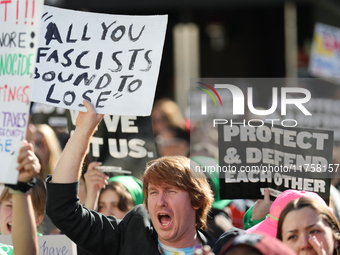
(68, 169)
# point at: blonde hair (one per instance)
(38, 196)
(53, 146)
(5, 195)
(171, 111)
(177, 171)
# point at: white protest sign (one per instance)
(49, 244)
(325, 52)
(19, 28)
(111, 60)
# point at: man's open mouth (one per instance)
(164, 219)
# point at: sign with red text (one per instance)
(19, 29)
(111, 60)
(325, 52)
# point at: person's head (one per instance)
(38, 196)
(165, 113)
(115, 200)
(304, 219)
(173, 141)
(47, 148)
(269, 225)
(177, 197)
(255, 244)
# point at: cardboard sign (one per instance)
(124, 142)
(254, 158)
(49, 244)
(325, 52)
(19, 31)
(111, 60)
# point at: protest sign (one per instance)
(19, 29)
(111, 60)
(253, 158)
(49, 244)
(124, 142)
(325, 115)
(325, 52)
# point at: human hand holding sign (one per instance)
(29, 165)
(88, 121)
(95, 181)
(262, 207)
(24, 232)
(69, 166)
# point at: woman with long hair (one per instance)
(309, 227)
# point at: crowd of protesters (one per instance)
(170, 210)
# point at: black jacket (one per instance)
(99, 234)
